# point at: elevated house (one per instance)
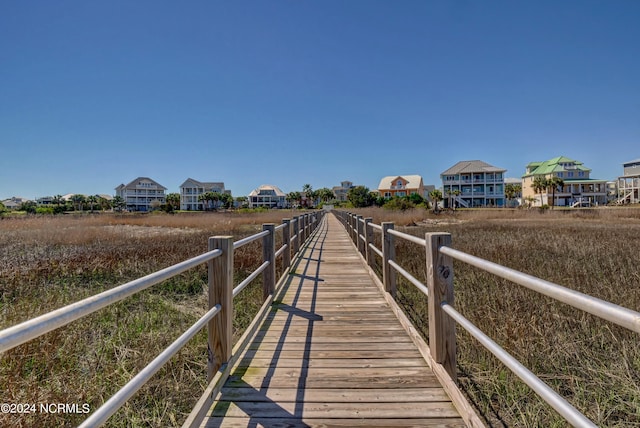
(401, 185)
(14, 202)
(516, 199)
(141, 194)
(629, 183)
(341, 191)
(267, 196)
(473, 183)
(579, 188)
(191, 190)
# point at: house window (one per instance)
(387, 194)
(570, 174)
(580, 173)
(559, 175)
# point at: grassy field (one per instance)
(594, 364)
(47, 262)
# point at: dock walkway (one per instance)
(331, 353)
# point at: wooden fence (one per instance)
(443, 317)
(218, 318)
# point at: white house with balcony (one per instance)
(142, 194)
(629, 183)
(191, 190)
(473, 183)
(267, 196)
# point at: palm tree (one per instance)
(215, 198)
(554, 183)
(529, 200)
(511, 190)
(78, 200)
(57, 200)
(226, 199)
(325, 194)
(173, 200)
(436, 196)
(293, 197)
(92, 200)
(104, 203)
(118, 203)
(455, 193)
(540, 186)
(308, 193)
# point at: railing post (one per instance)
(303, 228)
(286, 240)
(442, 329)
(220, 328)
(296, 235)
(388, 253)
(368, 240)
(359, 231)
(269, 255)
(354, 228)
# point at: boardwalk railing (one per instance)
(442, 314)
(218, 318)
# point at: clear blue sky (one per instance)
(96, 93)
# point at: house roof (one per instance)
(510, 180)
(632, 161)
(276, 190)
(413, 181)
(133, 183)
(207, 184)
(471, 166)
(554, 165)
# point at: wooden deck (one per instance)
(331, 353)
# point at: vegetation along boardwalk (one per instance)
(331, 352)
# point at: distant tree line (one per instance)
(361, 196)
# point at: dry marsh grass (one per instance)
(48, 262)
(592, 363)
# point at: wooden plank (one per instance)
(349, 373)
(275, 352)
(337, 410)
(227, 422)
(335, 395)
(313, 363)
(389, 382)
(360, 347)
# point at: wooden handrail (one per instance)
(440, 292)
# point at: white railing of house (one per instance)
(217, 319)
(443, 316)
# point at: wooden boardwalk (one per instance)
(331, 353)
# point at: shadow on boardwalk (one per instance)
(331, 352)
